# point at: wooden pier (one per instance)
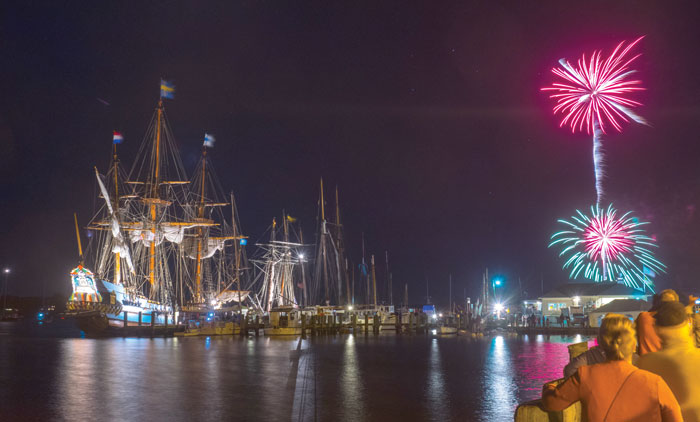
(555, 331)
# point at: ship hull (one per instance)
(122, 317)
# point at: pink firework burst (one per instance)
(607, 237)
(593, 93)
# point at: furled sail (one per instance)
(175, 234)
(120, 246)
(208, 247)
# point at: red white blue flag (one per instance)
(118, 138)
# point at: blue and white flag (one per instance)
(167, 89)
(117, 137)
(209, 140)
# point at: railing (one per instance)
(532, 411)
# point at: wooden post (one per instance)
(126, 322)
(303, 326)
(398, 323)
(366, 323)
(257, 325)
(244, 325)
(353, 320)
(140, 318)
(153, 322)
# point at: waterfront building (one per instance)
(590, 296)
(627, 307)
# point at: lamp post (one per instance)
(6, 271)
(496, 282)
(498, 306)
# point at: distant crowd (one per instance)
(646, 370)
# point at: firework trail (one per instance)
(592, 97)
(603, 247)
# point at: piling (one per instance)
(244, 326)
(366, 323)
(126, 322)
(257, 325)
(353, 321)
(153, 322)
(140, 319)
(303, 326)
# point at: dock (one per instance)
(555, 331)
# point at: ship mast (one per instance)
(200, 214)
(303, 272)
(286, 257)
(237, 252)
(154, 198)
(340, 256)
(388, 278)
(364, 270)
(115, 161)
(271, 275)
(323, 247)
(77, 234)
(374, 282)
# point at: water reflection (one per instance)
(438, 397)
(303, 383)
(499, 397)
(324, 378)
(78, 383)
(351, 384)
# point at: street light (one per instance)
(498, 308)
(6, 271)
(496, 282)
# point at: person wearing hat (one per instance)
(615, 390)
(647, 338)
(678, 361)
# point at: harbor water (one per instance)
(345, 377)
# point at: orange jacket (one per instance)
(648, 340)
(645, 397)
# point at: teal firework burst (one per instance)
(602, 247)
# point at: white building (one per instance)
(589, 295)
(627, 307)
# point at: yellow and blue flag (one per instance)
(167, 89)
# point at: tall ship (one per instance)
(148, 240)
(214, 252)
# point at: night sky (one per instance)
(427, 115)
